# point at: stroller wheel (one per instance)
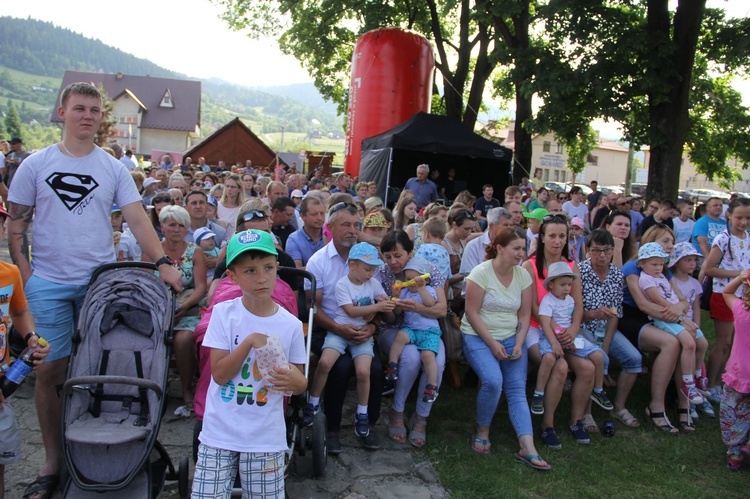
(319, 449)
(183, 472)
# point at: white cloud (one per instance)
(186, 36)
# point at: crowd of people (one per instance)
(543, 283)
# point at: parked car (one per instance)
(606, 189)
(703, 195)
(559, 187)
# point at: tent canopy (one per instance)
(391, 158)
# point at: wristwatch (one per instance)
(161, 261)
(29, 335)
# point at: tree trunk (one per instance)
(522, 149)
(668, 117)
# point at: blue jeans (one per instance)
(624, 353)
(409, 368)
(497, 375)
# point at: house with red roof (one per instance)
(152, 113)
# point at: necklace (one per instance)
(67, 151)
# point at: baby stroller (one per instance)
(114, 396)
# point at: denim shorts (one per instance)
(340, 344)
(674, 328)
(588, 348)
(55, 308)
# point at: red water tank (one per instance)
(391, 81)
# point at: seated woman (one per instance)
(618, 224)
(189, 260)
(415, 230)
(552, 246)
(602, 283)
(397, 248)
(637, 327)
(499, 295)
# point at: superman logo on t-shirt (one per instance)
(72, 188)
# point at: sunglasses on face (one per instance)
(623, 203)
(162, 199)
(562, 197)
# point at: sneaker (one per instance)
(701, 383)
(579, 433)
(388, 388)
(333, 444)
(430, 394)
(391, 372)
(714, 394)
(602, 400)
(362, 425)
(371, 441)
(537, 404)
(691, 393)
(707, 409)
(549, 438)
(308, 414)
(184, 411)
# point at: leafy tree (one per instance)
(654, 70)
(471, 39)
(578, 148)
(109, 120)
(13, 122)
(3, 132)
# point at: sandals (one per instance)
(184, 411)
(686, 426)
(480, 445)
(396, 433)
(533, 457)
(589, 424)
(664, 428)
(45, 486)
(417, 438)
(625, 417)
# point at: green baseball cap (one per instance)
(537, 214)
(250, 240)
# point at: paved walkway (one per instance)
(394, 471)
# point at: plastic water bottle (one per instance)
(599, 334)
(20, 368)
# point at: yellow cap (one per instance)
(41, 342)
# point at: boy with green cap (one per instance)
(243, 424)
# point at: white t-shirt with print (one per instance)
(242, 415)
(561, 311)
(736, 259)
(359, 295)
(691, 290)
(581, 211)
(73, 199)
(683, 231)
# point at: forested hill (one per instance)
(40, 48)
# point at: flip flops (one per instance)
(533, 457)
(45, 486)
(480, 445)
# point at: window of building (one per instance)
(166, 100)
(558, 148)
(592, 160)
(557, 176)
(545, 175)
(546, 146)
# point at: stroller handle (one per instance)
(290, 272)
(119, 380)
(120, 265)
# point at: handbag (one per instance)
(452, 337)
(182, 296)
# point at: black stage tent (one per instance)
(392, 157)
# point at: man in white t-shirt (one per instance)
(70, 187)
(576, 207)
(684, 223)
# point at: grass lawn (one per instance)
(638, 462)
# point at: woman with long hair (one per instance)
(617, 223)
(248, 184)
(230, 202)
(552, 247)
(405, 213)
